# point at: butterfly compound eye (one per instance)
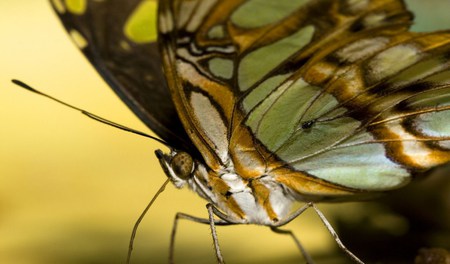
(182, 164)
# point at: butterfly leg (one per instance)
(210, 221)
(334, 234)
(327, 225)
(297, 242)
(276, 229)
(212, 226)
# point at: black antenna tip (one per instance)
(159, 154)
(23, 85)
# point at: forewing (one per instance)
(338, 91)
(118, 39)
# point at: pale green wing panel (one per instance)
(435, 125)
(378, 117)
(284, 108)
(262, 91)
(321, 137)
(256, 65)
(268, 12)
(430, 119)
(358, 166)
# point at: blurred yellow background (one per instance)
(71, 188)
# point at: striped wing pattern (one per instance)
(325, 97)
(277, 100)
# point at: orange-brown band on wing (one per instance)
(307, 186)
(248, 161)
(407, 149)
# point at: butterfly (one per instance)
(265, 104)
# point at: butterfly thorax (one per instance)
(258, 200)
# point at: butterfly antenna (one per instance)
(138, 221)
(88, 114)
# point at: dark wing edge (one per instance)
(134, 72)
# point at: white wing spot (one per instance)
(374, 20)
(211, 123)
(362, 49)
(393, 60)
(357, 5)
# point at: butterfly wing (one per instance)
(320, 95)
(118, 39)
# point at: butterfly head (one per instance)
(177, 165)
(183, 170)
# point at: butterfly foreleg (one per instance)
(210, 221)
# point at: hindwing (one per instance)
(338, 93)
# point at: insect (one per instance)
(321, 100)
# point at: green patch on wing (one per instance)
(362, 166)
(141, 25)
(256, 115)
(278, 117)
(331, 148)
(260, 62)
(268, 12)
(322, 135)
(216, 32)
(221, 67)
(430, 99)
(434, 124)
(442, 77)
(420, 70)
(262, 91)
